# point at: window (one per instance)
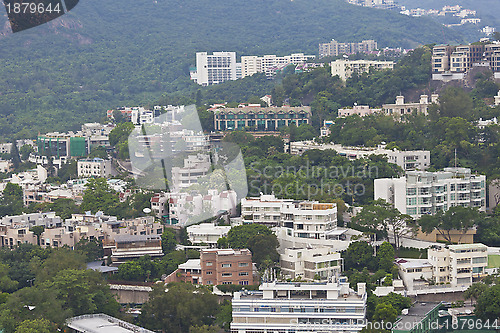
(226, 282)
(226, 265)
(243, 264)
(209, 263)
(411, 191)
(227, 274)
(243, 283)
(241, 274)
(209, 273)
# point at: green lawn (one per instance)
(493, 260)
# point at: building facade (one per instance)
(261, 118)
(320, 263)
(227, 266)
(95, 167)
(407, 159)
(334, 48)
(360, 110)
(270, 63)
(400, 109)
(448, 59)
(300, 307)
(215, 68)
(345, 68)
(420, 192)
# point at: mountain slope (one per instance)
(114, 52)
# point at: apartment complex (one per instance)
(407, 159)
(400, 109)
(449, 60)
(269, 64)
(306, 219)
(346, 68)
(215, 68)
(95, 167)
(360, 110)
(460, 264)
(447, 266)
(62, 145)
(320, 263)
(261, 118)
(420, 192)
(334, 48)
(300, 307)
(226, 266)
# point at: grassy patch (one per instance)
(410, 252)
(493, 260)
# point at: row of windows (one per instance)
(227, 265)
(302, 309)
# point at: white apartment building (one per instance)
(360, 110)
(186, 209)
(420, 192)
(195, 166)
(461, 264)
(345, 68)
(400, 108)
(215, 68)
(95, 167)
(270, 63)
(265, 209)
(334, 48)
(307, 219)
(320, 263)
(407, 160)
(207, 233)
(452, 266)
(300, 307)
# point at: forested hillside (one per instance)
(108, 53)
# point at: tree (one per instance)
(385, 257)
(37, 231)
(168, 241)
(358, 255)
(131, 271)
(92, 249)
(264, 250)
(239, 236)
(14, 155)
(385, 312)
(381, 215)
(12, 201)
(164, 311)
(25, 152)
(455, 218)
(99, 196)
(475, 291)
(455, 102)
(488, 304)
(398, 301)
(36, 326)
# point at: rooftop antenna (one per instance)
(455, 157)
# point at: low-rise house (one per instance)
(129, 247)
(206, 233)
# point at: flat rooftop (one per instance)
(101, 323)
(415, 314)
